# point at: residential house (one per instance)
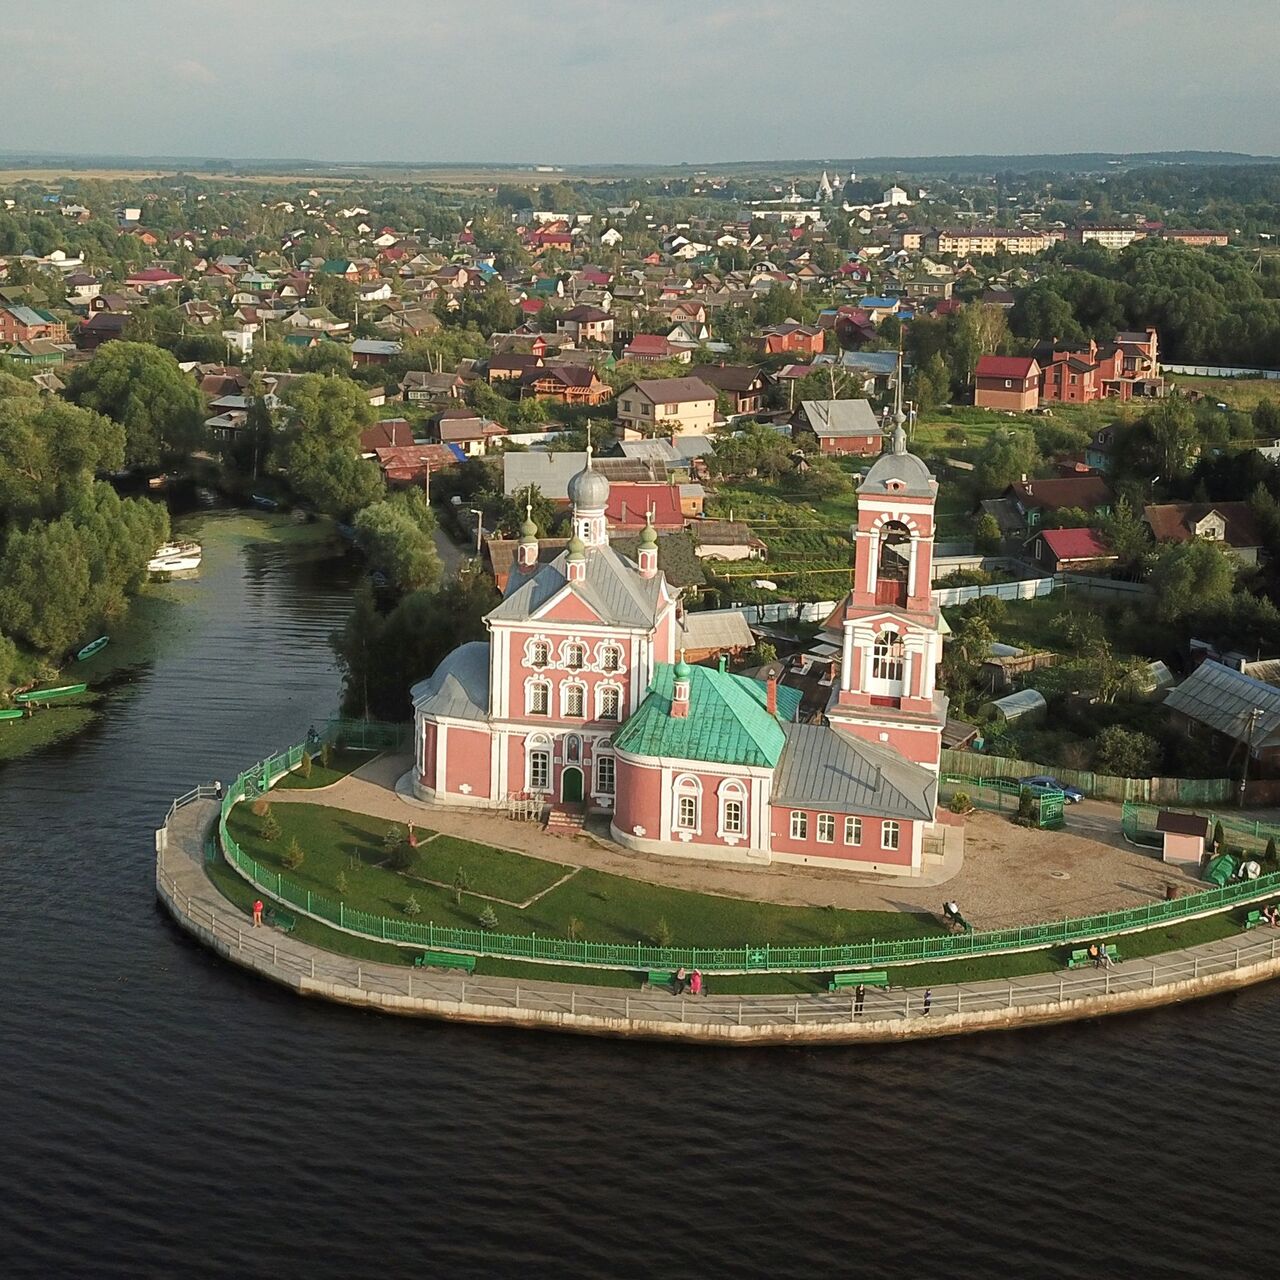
(1071, 550)
(726, 540)
(420, 386)
(1036, 502)
(1229, 523)
(631, 506)
(586, 324)
(388, 433)
(652, 348)
(566, 384)
(1124, 369)
(1010, 383)
(94, 330)
(741, 384)
(1230, 710)
(471, 432)
(19, 323)
(667, 406)
(840, 426)
(790, 338)
(370, 351)
(149, 279)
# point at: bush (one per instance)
(304, 765)
(260, 807)
(400, 858)
(662, 935)
(460, 886)
(1217, 835)
(341, 883)
(293, 855)
(1127, 753)
(326, 755)
(1269, 857)
(412, 906)
(575, 929)
(488, 917)
(961, 802)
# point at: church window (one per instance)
(575, 697)
(688, 803)
(539, 698)
(887, 656)
(610, 702)
(610, 658)
(539, 654)
(575, 657)
(732, 795)
(539, 770)
(606, 773)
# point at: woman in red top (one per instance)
(257, 913)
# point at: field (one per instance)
(1239, 393)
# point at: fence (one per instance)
(1102, 786)
(1139, 824)
(1026, 589)
(756, 958)
(713, 1011)
(1218, 371)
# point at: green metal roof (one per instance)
(727, 721)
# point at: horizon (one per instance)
(614, 84)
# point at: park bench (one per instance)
(659, 977)
(1080, 957)
(280, 919)
(1253, 919)
(444, 960)
(839, 981)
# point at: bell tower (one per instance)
(891, 630)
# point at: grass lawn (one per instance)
(47, 726)
(1239, 393)
(607, 908)
(341, 763)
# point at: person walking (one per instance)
(928, 1000)
(695, 983)
(859, 998)
(257, 913)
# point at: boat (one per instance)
(175, 557)
(44, 695)
(16, 714)
(267, 504)
(94, 646)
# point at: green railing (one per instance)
(764, 957)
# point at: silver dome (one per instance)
(588, 490)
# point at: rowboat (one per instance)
(44, 695)
(266, 504)
(16, 714)
(94, 646)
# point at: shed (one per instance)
(1018, 706)
(1185, 835)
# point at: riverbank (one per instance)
(156, 620)
(902, 1013)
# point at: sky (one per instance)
(635, 81)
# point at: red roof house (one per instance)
(1010, 383)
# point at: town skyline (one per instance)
(927, 86)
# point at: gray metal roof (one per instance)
(840, 417)
(612, 588)
(459, 688)
(910, 471)
(822, 768)
(1229, 702)
(716, 629)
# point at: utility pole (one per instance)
(1254, 713)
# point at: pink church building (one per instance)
(581, 695)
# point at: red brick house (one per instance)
(20, 323)
(1011, 383)
(1123, 369)
(790, 338)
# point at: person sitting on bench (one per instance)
(1095, 954)
(1271, 915)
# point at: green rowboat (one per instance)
(94, 646)
(16, 714)
(43, 695)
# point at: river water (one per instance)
(166, 1115)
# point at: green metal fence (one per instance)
(760, 958)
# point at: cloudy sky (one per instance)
(644, 81)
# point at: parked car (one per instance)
(1039, 783)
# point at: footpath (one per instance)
(888, 1015)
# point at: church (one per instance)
(581, 695)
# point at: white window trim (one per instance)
(601, 689)
(601, 757)
(887, 828)
(687, 787)
(853, 826)
(566, 687)
(799, 824)
(602, 649)
(529, 755)
(530, 645)
(532, 683)
(827, 819)
(732, 789)
(565, 650)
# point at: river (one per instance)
(167, 1115)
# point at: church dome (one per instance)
(588, 490)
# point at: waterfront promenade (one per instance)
(895, 1014)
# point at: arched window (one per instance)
(537, 762)
(573, 700)
(538, 697)
(893, 563)
(606, 773)
(887, 656)
(539, 654)
(609, 701)
(610, 658)
(575, 656)
(573, 748)
(688, 808)
(732, 796)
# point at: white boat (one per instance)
(175, 557)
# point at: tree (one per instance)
(142, 388)
(986, 534)
(322, 450)
(1126, 753)
(1172, 430)
(980, 329)
(967, 648)
(1190, 575)
(932, 383)
(1006, 457)
(397, 545)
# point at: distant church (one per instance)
(581, 695)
